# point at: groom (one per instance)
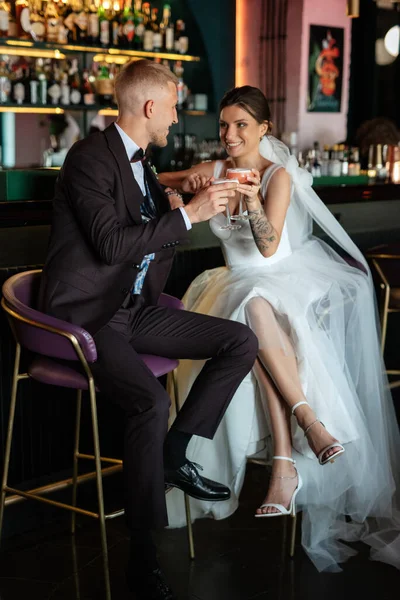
(112, 244)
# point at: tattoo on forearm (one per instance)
(263, 232)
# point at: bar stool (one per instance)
(50, 338)
(385, 265)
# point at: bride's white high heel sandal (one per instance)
(321, 454)
(292, 506)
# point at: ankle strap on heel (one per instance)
(298, 404)
(284, 458)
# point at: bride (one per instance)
(316, 403)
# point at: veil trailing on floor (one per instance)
(365, 504)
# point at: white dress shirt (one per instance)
(137, 168)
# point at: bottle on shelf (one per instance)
(22, 14)
(157, 35)
(52, 22)
(335, 165)
(5, 83)
(181, 39)
(114, 23)
(354, 162)
(93, 30)
(325, 161)
(148, 30)
(38, 22)
(128, 26)
(104, 86)
(104, 26)
(4, 18)
(344, 158)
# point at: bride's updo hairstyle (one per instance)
(250, 99)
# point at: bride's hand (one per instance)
(194, 183)
(251, 190)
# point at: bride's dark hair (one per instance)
(251, 99)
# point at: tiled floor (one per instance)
(239, 558)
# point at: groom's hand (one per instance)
(194, 183)
(210, 201)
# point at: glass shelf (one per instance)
(45, 50)
(109, 111)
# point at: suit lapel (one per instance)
(157, 191)
(132, 192)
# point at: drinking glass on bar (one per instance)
(229, 224)
(241, 175)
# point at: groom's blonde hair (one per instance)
(140, 81)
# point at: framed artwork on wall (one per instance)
(325, 69)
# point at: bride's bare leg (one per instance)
(280, 491)
(277, 355)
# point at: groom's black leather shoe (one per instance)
(149, 585)
(188, 479)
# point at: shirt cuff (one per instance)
(185, 218)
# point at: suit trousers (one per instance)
(230, 348)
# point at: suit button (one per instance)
(124, 290)
(135, 266)
(177, 242)
(164, 246)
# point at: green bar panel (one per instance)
(342, 180)
(27, 184)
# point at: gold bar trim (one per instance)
(55, 110)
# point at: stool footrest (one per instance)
(32, 496)
(56, 485)
(115, 461)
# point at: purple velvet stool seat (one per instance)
(51, 339)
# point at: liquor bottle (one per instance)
(4, 18)
(52, 22)
(65, 90)
(33, 87)
(93, 25)
(69, 16)
(38, 22)
(345, 161)
(335, 166)
(81, 22)
(22, 18)
(157, 36)
(181, 40)
(165, 23)
(5, 83)
(315, 161)
(181, 88)
(354, 162)
(139, 25)
(87, 90)
(114, 23)
(104, 26)
(128, 25)
(148, 30)
(381, 172)
(325, 162)
(12, 21)
(104, 86)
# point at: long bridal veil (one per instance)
(361, 501)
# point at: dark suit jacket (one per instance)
(98, 239)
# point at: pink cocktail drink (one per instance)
(240, 174)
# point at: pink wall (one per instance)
(328, 128)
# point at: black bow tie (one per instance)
(139, 156)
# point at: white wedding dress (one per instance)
(326, 307)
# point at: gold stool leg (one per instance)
(75, 463)
(10, 428)
(99, 483)
(186, 497)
